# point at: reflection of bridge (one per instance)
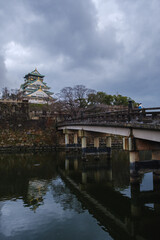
(140, 130)
(124, 217)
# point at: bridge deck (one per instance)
(142, 124)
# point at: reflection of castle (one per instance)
(36, 190)
(26, 176)
(34, 89)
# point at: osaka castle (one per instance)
(34, 89)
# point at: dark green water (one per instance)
(51, 196)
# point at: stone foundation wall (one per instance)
(13, 110)
(19, 130)
(30, 133)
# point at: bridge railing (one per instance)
(145, 115)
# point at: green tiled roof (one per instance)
(34, 73)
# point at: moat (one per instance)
(62, 196)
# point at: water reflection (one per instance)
(59, 196)
(20, 174)
(36, 204)
(126, 203)
(65, 198)
(36, 191)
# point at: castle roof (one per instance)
(38, 93)
(34, 73)
(38, 83)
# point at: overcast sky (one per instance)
(106, 45)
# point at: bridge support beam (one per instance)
(84, 142)
(128, 143)
(125, 143)
(75, 138)
(66, 139)
(83, 135)
(108, 142)
(70, 135)
(96, 142)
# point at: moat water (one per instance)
(62, 196)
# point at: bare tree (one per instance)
(5, 93)
(68, 99)
(13, 94)
(81, 95)
(74, 99)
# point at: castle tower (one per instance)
(34, 89)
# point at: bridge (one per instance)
(139, 129)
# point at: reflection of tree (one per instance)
(64, 197)
(36, 190)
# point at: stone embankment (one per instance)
(23, 130)
(29, 135)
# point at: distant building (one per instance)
(34, 89)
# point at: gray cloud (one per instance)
(3, 70)
(69, 28)
(112, 46)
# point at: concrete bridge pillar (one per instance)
(68, 132)
(130, 144)
(75, 138)
(108, 142)
(84, 142)
(83, 135)
(66, 139)
(96, 142)
(125, 143)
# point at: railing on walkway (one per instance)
(133, 115)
